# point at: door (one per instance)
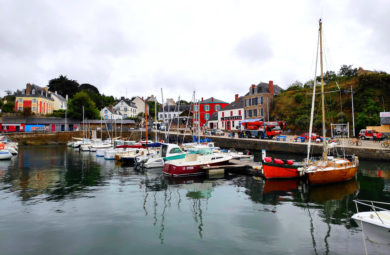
(228, 125)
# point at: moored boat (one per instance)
(375, 223)
(331, 170)
(281, 169)
(192, 164)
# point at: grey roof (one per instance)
(235, 105)
(127, 101)
(263, 87)
(58, 96)
(214, 116)
(212, 100)
(37, 120)
(54, 120)
(173, 108)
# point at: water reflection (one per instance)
(44, 175)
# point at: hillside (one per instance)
(371, 96)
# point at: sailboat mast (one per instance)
(325, 152)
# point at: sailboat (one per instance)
(327, 169)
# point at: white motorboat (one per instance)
(167, 152)
(375, 223)
(193, 163)
(96, 147)
(12, 147)
(5, 154)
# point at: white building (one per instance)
(229, 117)
(139, 103)
(172, 112)
(126, 109)
(108, 113)
(60, 103)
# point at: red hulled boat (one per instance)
(281, 169)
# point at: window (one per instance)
(231, 113)
(262, 112)
(233, 124)
(105, 111)
(217, 107)
(20, 108)
(34, 100)
(261, 100)
(125, 116)
(255, 112)
(105, 117)
(207, 107)
(175, 150)
(20, 100)
(253, 90)
(250, 113)
(254, 101)
(125, 109)
(34, 109)
(248, 102)
(206, 116)
(196, 107)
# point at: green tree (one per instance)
(89, 87)
(27, 112)
(8, 107)
(151, 105)
(58, 113)
(75, 107)
(348, 71)
(64, 86)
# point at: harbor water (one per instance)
(56, 200)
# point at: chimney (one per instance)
(202, 99)
(271, 87)
(236, 98)
(253, 86)
(28, 89)
(212, 99)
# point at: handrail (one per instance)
(371, 204)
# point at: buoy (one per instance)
(267, 159)
(290, 162)
(278, 161)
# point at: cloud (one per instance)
(255, 48)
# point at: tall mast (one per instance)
(325, 151)
(155, 120)
(146, 122)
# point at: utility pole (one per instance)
(353, 114)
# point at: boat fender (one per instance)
(267, 159)
(290, 162)
(278, 161)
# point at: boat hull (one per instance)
(332, 176)
(187, 170)
(275, 171)
(379, 234)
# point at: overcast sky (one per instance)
(217, 48)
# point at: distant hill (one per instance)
(371, 96)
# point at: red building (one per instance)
(205, 109)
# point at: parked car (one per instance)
(217, 132)
(371, 134)
(314, 136)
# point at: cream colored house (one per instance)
(60, 103)
(139, 103)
